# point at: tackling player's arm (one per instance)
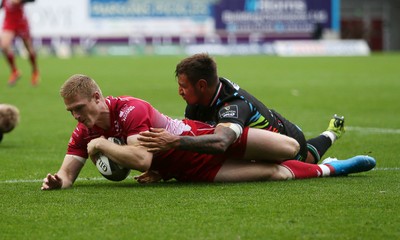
(66, 175)
(159, 139)
(132, 155)
(224, 135)
(230, 127)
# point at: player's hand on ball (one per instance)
(51, 182)
(106, 166)
(148, 177)
(93, 146)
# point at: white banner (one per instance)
(72, 18)
(321, 48)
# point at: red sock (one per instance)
(11, 61)
(32, 59)
(306, 170)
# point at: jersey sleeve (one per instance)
(77, 144)
(236, 111)
(137, 117)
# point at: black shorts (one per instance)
(292, 130)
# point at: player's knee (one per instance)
(293, 149)
(280, 173)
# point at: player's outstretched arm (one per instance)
(66, 176)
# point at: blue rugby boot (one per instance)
(360, 163)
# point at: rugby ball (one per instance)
(108, 168)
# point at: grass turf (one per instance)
(305, 90)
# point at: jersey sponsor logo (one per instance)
(123, 114)
(230, 111)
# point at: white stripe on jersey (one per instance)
(176, 126)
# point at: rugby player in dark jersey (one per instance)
(222, 103)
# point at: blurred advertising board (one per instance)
(122, 18)
(277, 18)
(221, 26)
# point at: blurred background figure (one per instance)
(9, 118)
(16, 25)
(318, 31)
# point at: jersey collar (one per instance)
(216, 94)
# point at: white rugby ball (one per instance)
(108, 168)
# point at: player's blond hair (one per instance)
(9, 117)
(79, 84)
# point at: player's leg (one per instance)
(318, 146)
(269, 146)
(7, 38)
(241, 171)
(331, 167)
(246, 171)
(26, 38)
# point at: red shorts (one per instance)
(188, 166)
(20, 28)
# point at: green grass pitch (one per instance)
(308, 91)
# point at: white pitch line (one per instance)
(373, 130)
(386, 169)
(103, 179)
(365, 130)
(41, 180)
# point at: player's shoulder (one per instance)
(228, 83)
(124, 106)
(122, 101)
(80, 131)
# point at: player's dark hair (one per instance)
(198, 66)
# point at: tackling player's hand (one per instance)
(158, 139)
(52, 182)
(148, 177)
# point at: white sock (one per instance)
(326, 171)
(330, 135)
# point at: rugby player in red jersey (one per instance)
(16, 25)
(125, 117)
